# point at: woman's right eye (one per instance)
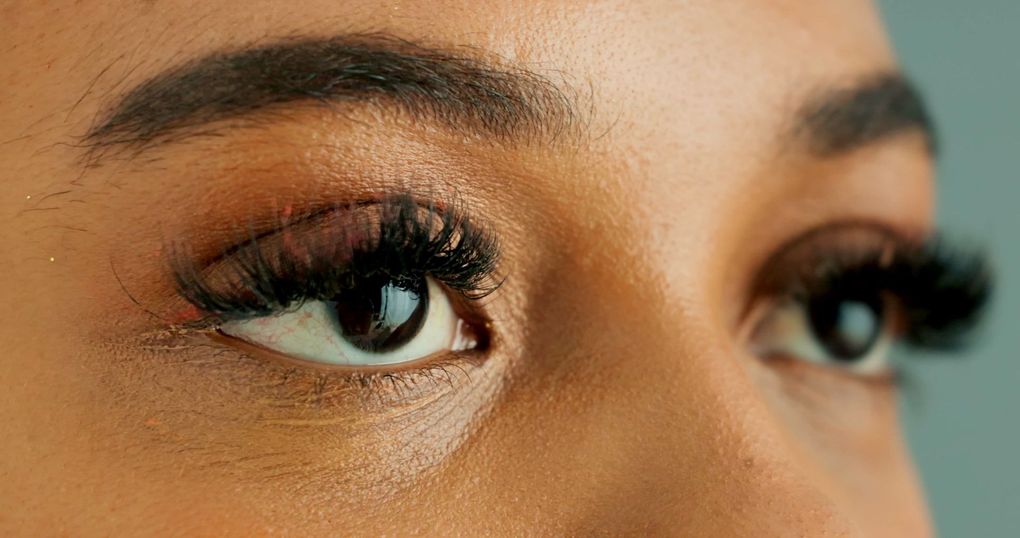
(375, 322)
(840, 296)
(844, 332)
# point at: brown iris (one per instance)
(379, 315)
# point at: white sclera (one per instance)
(310, 333)
(786, 331)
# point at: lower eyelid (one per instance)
(279, 383)
(809, 372)
(255, 350)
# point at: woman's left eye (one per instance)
(853, 333)
(375, 322)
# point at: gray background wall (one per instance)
(963, 417)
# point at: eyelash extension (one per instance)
(316, 257)
(942, 290)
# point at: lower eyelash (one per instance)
(291, 385)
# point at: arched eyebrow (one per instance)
(506, 103)
(468, 94)
(836, 121)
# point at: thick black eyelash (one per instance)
(397, 238)
(942, 289)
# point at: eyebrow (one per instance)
(502, 102)
(881, 106)
(507, 103)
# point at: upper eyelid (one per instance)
(476, 247)
(284, 219)
(771, 281)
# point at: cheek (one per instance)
(627, 412)
(848, 434)
(635, 322)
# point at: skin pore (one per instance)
(639, 162)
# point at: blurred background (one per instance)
(963, 417)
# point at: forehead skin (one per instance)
(643, 421)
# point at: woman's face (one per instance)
(459, 268)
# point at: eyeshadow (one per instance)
(318, 256)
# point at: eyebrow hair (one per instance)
(878, 107)
(507, 103)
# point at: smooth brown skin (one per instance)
(619, 395)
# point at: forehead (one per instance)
(672, 91)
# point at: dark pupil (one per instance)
(378, 315)
(846, 328)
